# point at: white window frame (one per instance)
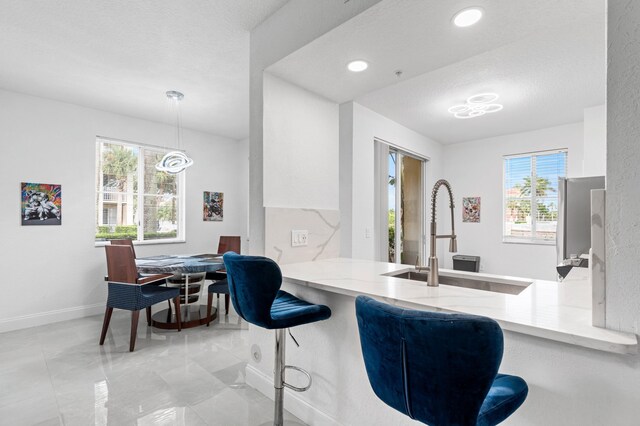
(181, 195)
(530, 240)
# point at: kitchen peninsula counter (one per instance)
(559, 311)
(548, 340)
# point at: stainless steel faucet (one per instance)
(453, 244)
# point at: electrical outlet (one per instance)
(299, 238)
(367, 232)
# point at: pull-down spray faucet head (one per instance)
(433, 279)
(453, 244)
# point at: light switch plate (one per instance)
(299, 238)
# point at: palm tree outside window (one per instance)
(133, 199)
(531, 196)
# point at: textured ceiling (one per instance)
(122, 55)
(547, 60)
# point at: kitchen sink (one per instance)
(497, 285)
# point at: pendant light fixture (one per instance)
(175, 162)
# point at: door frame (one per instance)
(381, 193)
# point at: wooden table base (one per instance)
(192, 316)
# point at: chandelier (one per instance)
(476, 106)
(176, 161)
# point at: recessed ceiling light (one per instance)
(467, 17)
(476, 106)
(357, 66)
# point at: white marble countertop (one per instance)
(552, 310)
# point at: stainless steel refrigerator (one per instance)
(574, 215)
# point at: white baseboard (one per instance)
(43, 318)
(292, 401)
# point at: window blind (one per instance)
(531, 195)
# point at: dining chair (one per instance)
(130, 292)
(219, 278)
(125, 242)
(438, 368)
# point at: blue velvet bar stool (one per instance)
(438, 368)
(254, 284)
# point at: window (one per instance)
(133, 199)
(531, 195)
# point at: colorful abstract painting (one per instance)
(212, 208)
(41, 204)
(471, 209)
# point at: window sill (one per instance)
(506, 240)
(146, 243)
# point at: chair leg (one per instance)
(176, 302)
(149, 316)
(209, 303)
(105, 324)
(226, 304)
(134, 329)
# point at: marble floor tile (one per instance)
(233, 376)
(58, 375)
(233, 408)
(39, 409)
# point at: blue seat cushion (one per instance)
(219, 287)
(155, 294)
(135, 297)
(289, 311)
(507, 393)
(216, 276)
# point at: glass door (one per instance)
(405, 207)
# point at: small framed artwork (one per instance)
(213, 206)
(471, 209)
(41, 204)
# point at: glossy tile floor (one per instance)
(59, 375)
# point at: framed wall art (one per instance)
(213, 206)
(471, 209)
(41, 204)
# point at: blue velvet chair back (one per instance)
(434, 367)
(254, 282)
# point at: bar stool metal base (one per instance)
(279, 382)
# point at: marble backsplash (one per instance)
(324, 234)
(597, 258)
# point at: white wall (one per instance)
(292, 26)
(595, 141)
(623, 175)
(359, 128)
(300, 172)
(300, 146)
(475, 169)
(56, 272)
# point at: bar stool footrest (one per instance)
(295, 388)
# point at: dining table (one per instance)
(189, 273)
